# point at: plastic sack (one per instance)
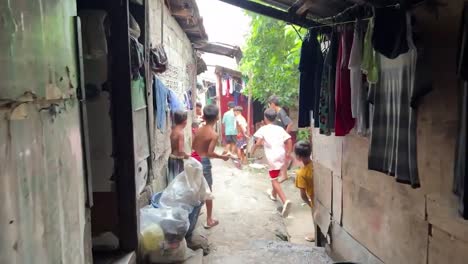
(188, 189)
(152, 238)
(178, 253)
(173, 221)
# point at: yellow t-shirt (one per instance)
(305, 180)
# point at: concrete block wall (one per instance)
(179, 77)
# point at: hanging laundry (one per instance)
(231, 85)
(137, 57)
(310, 66)
(358, 97)
(225, 86)
(344, 120)
(370, 64)
(393, 138)
(389, 34)
(138, 93)
(460, 181)
(327, 91)
(188, 99)
(160, 103)
(237, 97)
(174, 102)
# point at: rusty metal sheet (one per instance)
(42, 187)
(141, 139)
(37, 49)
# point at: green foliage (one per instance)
(271, 58)
(303, 134)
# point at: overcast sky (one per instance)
(223, 23)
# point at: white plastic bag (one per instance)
(188, 189)
(173, 221)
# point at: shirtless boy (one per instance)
(204, 144)
(176, 159)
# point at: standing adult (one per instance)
(284, 121)
(230, 129)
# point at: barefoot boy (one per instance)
(304, 176)
(177, 156)
(278, 146)
(204, 144)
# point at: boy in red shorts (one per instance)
(278, 146)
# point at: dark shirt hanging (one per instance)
(327, 91)
(389, 36)
(310, 66)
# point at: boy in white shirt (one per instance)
(278, 147)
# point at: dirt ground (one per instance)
(251, 230)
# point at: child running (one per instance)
(304, 176)
(177, 156)
(278, 146)
(203, 146)
(242, 135)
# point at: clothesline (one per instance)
(340, 23)
(345, 11)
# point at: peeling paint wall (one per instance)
(42, 213)
(179, 77)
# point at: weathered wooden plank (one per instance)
(345, 248)
(445, 248)
(323, 186)
(328, 151)
(442, 213)
(394, 234)
(402, 197)
(337, 206)
(322, 218)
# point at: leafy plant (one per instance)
(271, 58)
(303, 134)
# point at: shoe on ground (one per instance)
(286, 208)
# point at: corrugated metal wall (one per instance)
(42, 213)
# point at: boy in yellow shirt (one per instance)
(304, 175)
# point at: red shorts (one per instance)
(274, 174)
(196, 156)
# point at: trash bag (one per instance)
(152, 238)
(176, 253)
(173, 221)
(188, 189)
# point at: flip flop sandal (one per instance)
(206, 226)
(286, 208)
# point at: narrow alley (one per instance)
(251, 229)
(105, 106)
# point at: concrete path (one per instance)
(251, 230)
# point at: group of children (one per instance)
(277, 144)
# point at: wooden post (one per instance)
(249, 113)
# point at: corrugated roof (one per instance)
(188, 16)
